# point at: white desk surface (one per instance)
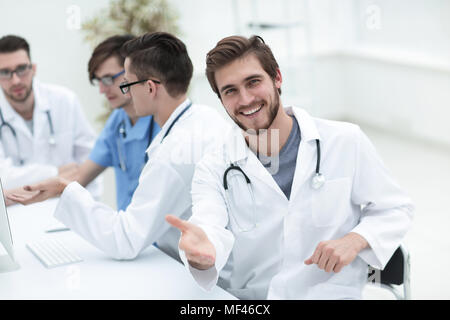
(152, 275)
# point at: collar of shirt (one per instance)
(172, 118)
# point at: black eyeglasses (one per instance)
(107, 80)
(125, 86)
(21, 71)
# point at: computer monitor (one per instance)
(8, 261)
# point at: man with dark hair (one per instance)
(43, 129)
(158, 71)
(306, 230)
(126, 136)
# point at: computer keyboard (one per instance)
(53, 253)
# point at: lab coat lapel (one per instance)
(256, 169)
(13, 118)
(305, 165)
(41, 124)
(158, 140)
(307, 152)
(241, 155)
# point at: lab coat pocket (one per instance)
(330, 202)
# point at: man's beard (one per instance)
(273, 110)
(19, 100)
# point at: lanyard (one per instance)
(176, 119)
(152, 125)
(150, 135)
(168, 130)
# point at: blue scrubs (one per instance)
(123, 147)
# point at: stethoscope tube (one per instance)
(233, 167)
(318, 157)
(176, 119)
(13, 131)
(123, 133)
(317, 181)
(230, 203)
(51, 140)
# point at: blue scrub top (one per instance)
(111, 145)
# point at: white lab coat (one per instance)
(164, 188)
(73, 134)
(268, 261)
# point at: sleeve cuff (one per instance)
(206, 279)
(101, 161)
(68, 197)
(369, 254)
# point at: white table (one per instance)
(153, 275)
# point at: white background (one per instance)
(383, 64)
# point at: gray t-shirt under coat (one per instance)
(283, 173)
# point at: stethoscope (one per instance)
(123, 133)
(317, 181)
(5, 124)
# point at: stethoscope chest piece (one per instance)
(317, 181)
(52, 141)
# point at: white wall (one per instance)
(58, 49)
(60, 53)
(391, 64)
(383, 63)
(351, 58)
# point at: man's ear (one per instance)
(278, 79)
(150, 86)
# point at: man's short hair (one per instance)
(232, 48)
(106, 49)
(163, 56)
(12, 43)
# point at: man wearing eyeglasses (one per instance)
(158, 71)
(125, 137)
(43, 130)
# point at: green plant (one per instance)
(133, 17)
(130, 17)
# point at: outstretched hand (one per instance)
(199, 251)
(44, 190)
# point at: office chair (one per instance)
(396, 272)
